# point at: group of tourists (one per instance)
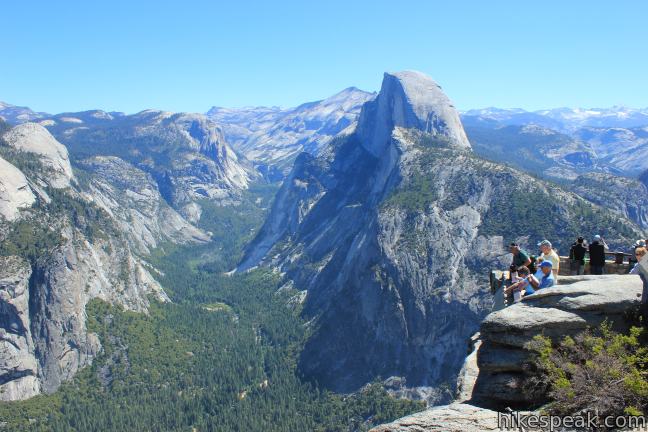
(529, 273)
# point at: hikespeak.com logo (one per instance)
(516, 421)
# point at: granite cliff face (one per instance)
(131, 197)
(58, 251)
(15, 193)
(185, 154)
(272, 137)
(18, 364)
(392, 232)
(625, 196)
(500, 372)
(35, 139)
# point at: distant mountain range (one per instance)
(563, 119)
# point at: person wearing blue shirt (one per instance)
(544, 278)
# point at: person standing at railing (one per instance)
(597, 255)
(577, 257)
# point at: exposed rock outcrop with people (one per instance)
(502, 355)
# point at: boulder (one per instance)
(458, 417)
(567, 309)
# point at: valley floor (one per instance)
(221, 357)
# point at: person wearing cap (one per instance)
(548, 254)
(597, 255)
(577, 257)
(544, 278)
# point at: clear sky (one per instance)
(189, 55)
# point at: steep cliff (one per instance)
(18, 363)
(57, 252)
(392, 232)
(564, 310)
(131, 197)
(272, 137)
(625, 196)
(186, 154)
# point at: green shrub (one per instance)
(597, 371)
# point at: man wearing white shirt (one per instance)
(548, 254)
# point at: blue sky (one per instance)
(189, 55)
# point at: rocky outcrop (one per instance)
(495, 373)
(132, 198)
(457, 417)
(34, 138)
(409, 100)
(18, 363)
(15, 193)
(581, 302)
(392, 237)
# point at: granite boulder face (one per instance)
(458, 417)
(75, 251)
(392, 232)
(564, 310)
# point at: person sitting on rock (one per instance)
(546, 277)
(548, 254)
(577, 257)
(522, 287)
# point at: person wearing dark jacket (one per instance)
(577, 257)
(597, 255)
